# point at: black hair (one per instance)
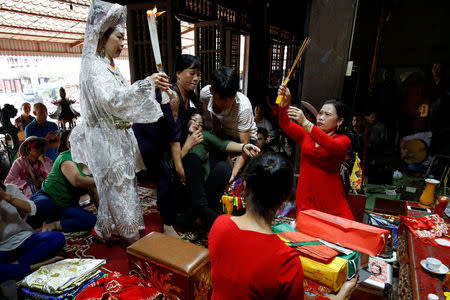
(263, 131)
(225, 82)
(269, 178)
(183, 62)
(341, 111)
(63, 142)
(107, 34)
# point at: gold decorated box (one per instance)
(177, 268)
(332, 275)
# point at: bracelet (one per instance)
(308, 126)
(11, 199)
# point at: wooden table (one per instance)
(414, 281)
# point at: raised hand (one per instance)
(195, 138)
(161, 81)
(296, 114)
(284, 91)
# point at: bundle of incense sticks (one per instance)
(297, 59)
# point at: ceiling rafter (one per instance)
(41, 15)
(44, 25)
(41, 29)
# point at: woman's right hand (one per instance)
(161, 81)
(194, 139)
(284, 91)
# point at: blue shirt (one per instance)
(34, 129)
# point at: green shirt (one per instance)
(60, 190)
(200, 150)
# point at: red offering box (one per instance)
(351, 234)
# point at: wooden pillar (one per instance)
(259, 52)
(330, 29)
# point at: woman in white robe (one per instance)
(104, 140)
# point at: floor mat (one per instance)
(83, 245)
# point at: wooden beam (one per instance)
(74, 44)
(188, 30)
(38, 29)
(188, 46)
(37, 35)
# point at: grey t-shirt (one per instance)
(13, 229)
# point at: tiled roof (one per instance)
(43, 27)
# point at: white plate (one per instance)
(443, 270)
(443, 242)
(447, 211)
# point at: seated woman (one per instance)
(21, 250)
(248, 261)
(32, 167)
(58, 200)
(23, 120)
(200, 179)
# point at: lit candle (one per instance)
(151, 19)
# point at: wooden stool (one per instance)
(177, 268)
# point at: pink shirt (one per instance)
(20, 175)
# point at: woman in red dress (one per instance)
(322, 152)
(249, 261)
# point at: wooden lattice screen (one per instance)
(209, 47)
(233, 55)
(142, 62)
(292, 51)
(276, 58)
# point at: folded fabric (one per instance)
(63, 275)
(308, 246)
(426, 228)
(118, 286)
(32, 294)
(283, 227)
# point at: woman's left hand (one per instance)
(296, 114)
(161, 81)
(251, 150)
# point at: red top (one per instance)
(251, 265)
(319, 183)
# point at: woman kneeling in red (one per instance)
(248, 261)
(323, 150)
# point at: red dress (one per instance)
(251, 265)
(319, 184)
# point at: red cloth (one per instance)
(116, 286)
(319, 183)
(252, 265)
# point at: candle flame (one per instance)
(155, 12)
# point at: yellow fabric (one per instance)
(356, 176)
(332, 275)
(63, 275)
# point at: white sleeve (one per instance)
(205, 93)
(246, 120)
(14, 191)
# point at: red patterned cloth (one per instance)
(426, 228)
(118, 286)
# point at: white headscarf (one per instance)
(102, 15)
